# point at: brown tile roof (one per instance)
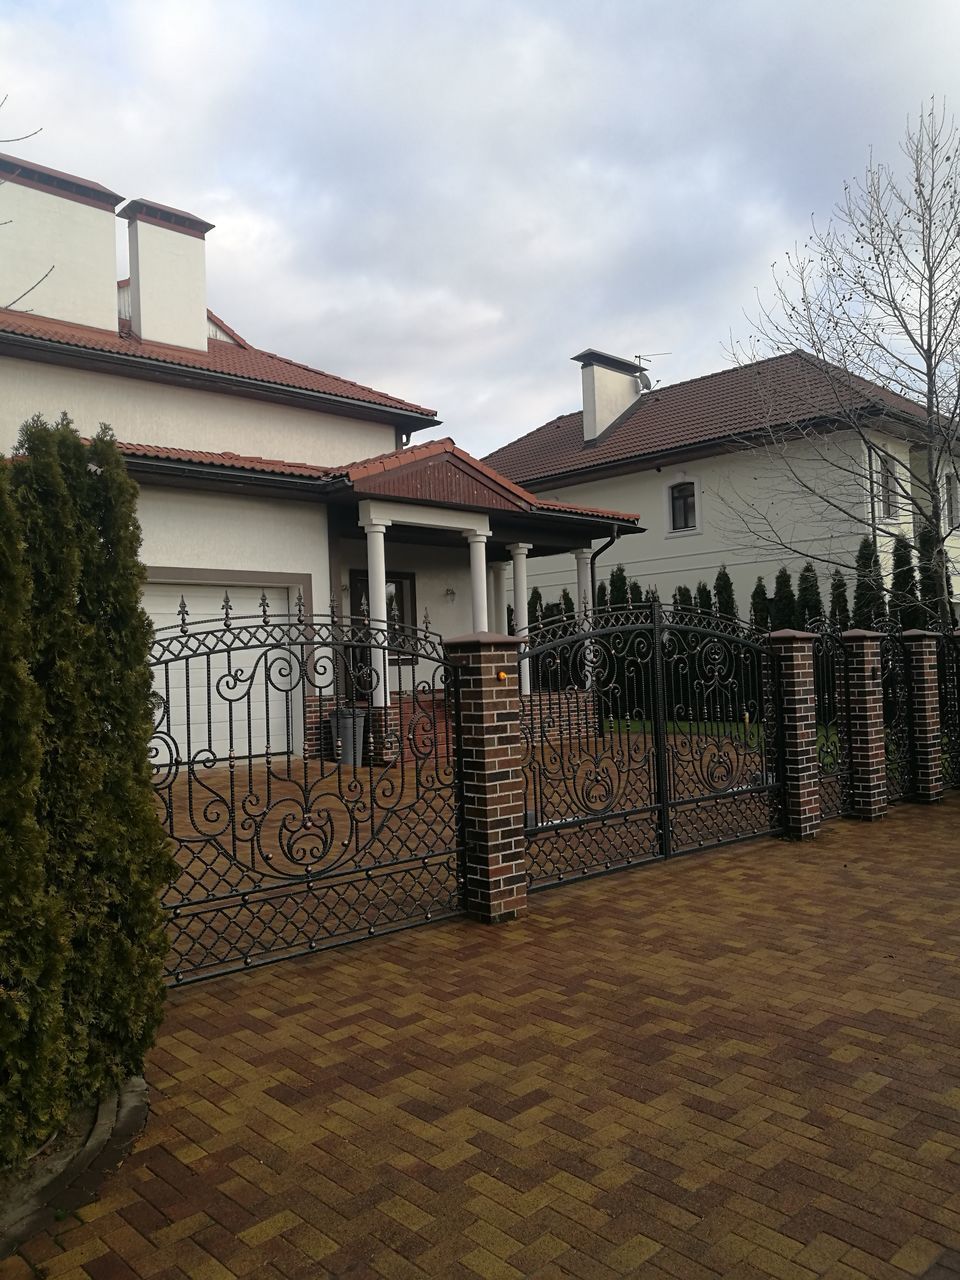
(715, 408)
(235, 360)
(361, 476)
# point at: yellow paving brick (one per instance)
(270, 1227)
(916, 1255)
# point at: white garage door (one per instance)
(218, 701)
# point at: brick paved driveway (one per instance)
(744, 1064)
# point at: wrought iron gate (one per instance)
(306, 775)
(648, 732)
(897, 722)
(948, 672)
(832, 698)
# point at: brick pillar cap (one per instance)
(787, 633)
(485, 639)
(860, 633)
(919, 633)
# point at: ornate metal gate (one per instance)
(897, 724)
(648, 732)
(831, 689)
(948, 671)
(305, 772)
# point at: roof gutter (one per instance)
(89, 358)
(180, 469)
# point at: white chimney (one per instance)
(610, 387)
(168, 280)
(58, 252)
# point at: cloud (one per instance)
(447, 200)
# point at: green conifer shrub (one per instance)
(904, 601)
(869, 604)
(760, 605)
(703, 599)
(724, 600)
(683, 598)
(809, 600)
(783, 606)
(839, 601)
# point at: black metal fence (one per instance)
(648, 731)
(948, 672)
(306, 775)
(897, 714)
(832, 697)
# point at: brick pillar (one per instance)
(922, 667)
(489, 751)
(801, 765)
(868, 765)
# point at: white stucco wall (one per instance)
(725, 483)
(145, 413)
(78, 241)
(227, 532)
(168, 286)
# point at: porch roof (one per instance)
(435, 473)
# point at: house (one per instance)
(693, 458)
(260, 477)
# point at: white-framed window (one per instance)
(683, 515)
(888, 505)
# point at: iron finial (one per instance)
(264, 605)
(226, 609)
(183, 613)
(299, 604)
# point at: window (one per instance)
(953, 502)
(683, 506)
(887, 481)
(401, 601)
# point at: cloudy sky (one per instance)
(447, 199)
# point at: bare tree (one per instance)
(864, 441)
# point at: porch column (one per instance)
(377, 584)
(584, 602)
(478, 579)
(518, 552)
(499, 620)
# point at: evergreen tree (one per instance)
(552, 611)
(783, 606)
(683, 598)
(703, 598)
(635, 592)
(32, 945)
(535, 607)
(904, 602)
(511, 631)
(726, 604)
(809, 601)
(619, 597)
(839, 603)
(760, 605)
(134, 862)
(869, 605)
(71, 773)
(601, 595)
(566, 604)
(929, 579)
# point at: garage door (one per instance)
(241, 701)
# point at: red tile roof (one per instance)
(712, 409)
(359, 476)
(235, 360)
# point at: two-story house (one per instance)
(257, 474)
(754, 467)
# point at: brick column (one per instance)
(868, 765)
(801, 765)
(921, 649)
(489, 751)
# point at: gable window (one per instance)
(888, 488)
(683, 506)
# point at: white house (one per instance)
(694, 459)
(257, 474)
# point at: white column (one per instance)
(521, 596)
(478, 579)
(377, 584)
(499, 619)
(584, 601)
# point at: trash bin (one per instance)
(347, 728)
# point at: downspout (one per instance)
(593, 565)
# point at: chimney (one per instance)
(58, 251)
(168, 281)
(610, 386)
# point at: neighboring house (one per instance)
(257, 474)
(691, 459)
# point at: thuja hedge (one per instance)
(82, 852)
